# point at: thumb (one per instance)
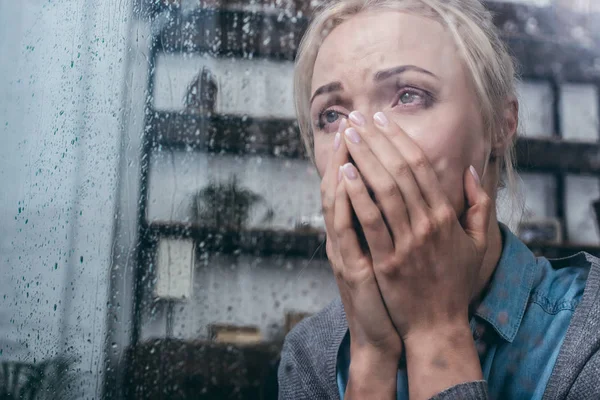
(476, 218)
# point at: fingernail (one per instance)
(340, 173)
(350, 171)
(352, 135)
(343, 125)
(381, 119)
(357, 118)
(475, 175)
(336, 141)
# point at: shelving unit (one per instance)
(543, 53)
(258, 242)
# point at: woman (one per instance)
(408, 109)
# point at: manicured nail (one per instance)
(475, 175)
(343, 125)
(336, 141)
(352, 135)
(357, 118)
(381, 119)
(340, 173)
(350, 171)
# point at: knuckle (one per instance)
(324, 188)
(326, 207)
(486, 201)
(401, 169)
(419, 162)
(446, 214)
(371, 219)
(361, 273)
(363, 264)
(409, 244)
(388, 189)
(339, 227)
(418, 242)
(388, 268)
(338, 272)
(426, 228)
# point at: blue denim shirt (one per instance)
(520, 324)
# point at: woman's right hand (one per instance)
(375, 345)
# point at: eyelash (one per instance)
(320, 124)
(426, 96)
(427, 99)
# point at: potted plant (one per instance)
(226, 205)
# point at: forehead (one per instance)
(377, 40)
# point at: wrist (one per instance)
(440, 358)
(440, 335)
(371, 355)
(372, 375)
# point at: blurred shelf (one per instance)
(231, 134)
(258, 242)
(232, 33)
(184, 369)
(540, 38)
(553, 155)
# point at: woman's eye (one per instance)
(328, 120)
(413, 97)
(331, 116)
(408, 98)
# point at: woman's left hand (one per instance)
(425, 260)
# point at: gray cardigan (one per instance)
(308, 358)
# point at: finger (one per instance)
(333, 255)
(422, 171)
(388, 193)
(347, 239)
(477, 216)
(384, 166)
(330, 179)
(368, 214)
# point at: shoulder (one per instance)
(559, 284)
(576, 370)
(309, 353)
(317, 334)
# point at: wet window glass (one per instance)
(161, 227)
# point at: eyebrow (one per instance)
(386, 73)
(329, 88)
(379, 76)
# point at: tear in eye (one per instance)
(408, 98)
(331, 116)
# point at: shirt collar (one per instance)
(508, 293)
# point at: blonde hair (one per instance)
(491, 67)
